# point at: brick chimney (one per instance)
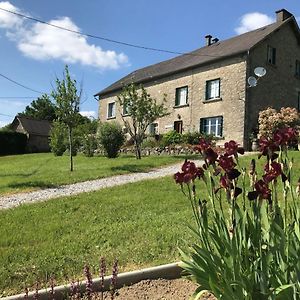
(282, 15)
(208, 39)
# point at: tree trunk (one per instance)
(137, 149)
(71, 148)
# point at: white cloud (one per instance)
(8, 20)
(252, 21)
(43, 42)
(90, 114)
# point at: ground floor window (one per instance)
(213, 125)
(153, 129)
(178, 126)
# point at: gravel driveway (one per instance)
(87, 186)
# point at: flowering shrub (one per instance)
(248, 235)
(270, 120)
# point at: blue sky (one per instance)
(34, 54)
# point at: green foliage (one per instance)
(58, 135)
(142, 109)
(112, 138)
(12, 142)
(193, 137)
(253, 251)
(89, 144)
(67, 107)
(171, 138)
(40, 109)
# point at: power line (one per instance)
(17, 97)
(6, 115)
(103, 38)
(20, 84)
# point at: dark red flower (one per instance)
(285, 136)
(226, 162)
(178, 177)
(233, 174)
(232, 148)
(272, 171)
(268, 147)
(262, 191)
(189, 173)
(210, 156)
(203, 145)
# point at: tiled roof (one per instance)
(208, 54)
(36, 127)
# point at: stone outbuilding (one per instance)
(207, 89)
(37, 131)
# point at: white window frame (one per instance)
(216, 122)
(213, 89)
(113, 111)
(181, 96)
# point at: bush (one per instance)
(111, 137)
(12, 142)
(58, 138)
(171, 138)
(194, 137)
(89, 144)
(270, 120)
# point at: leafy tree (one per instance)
(142, 109)
(40, 109)
(58, 136)
(67, 101)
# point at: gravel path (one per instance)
(87, 186)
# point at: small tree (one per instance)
(67, 106)
(142, 109)
(111, 137)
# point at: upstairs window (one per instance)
(111, 110)
(297, 68)
(271, 55)
(212, 89)
(213, 126)
(181, 97)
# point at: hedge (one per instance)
(12, 142)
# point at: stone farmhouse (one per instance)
(207, 89)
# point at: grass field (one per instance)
(141, 224)
(34, 171)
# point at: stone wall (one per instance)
(279, 87)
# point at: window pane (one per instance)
(212, 126)
(181, 96)
(213, 89)
(111, 110)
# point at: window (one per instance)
(153, 129)
(271, 56)
(178, 126)
(212, 89)
(298, 101)
(212, 126)
(125, 110)
(297, 68)
(181, 97)
(111, 111)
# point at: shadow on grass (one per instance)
(132, 168)
(34, 184)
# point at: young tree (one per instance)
(41, 109)
(142, 109)
(67, 101)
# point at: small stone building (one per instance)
(207, 89)
(37, 132)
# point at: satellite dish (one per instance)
(260, 71)
(252, 81)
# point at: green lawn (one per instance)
(141, 224)
(34, 171)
